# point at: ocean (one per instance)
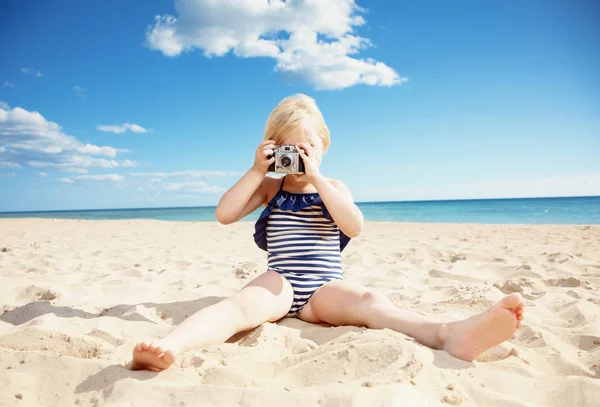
(571, 210)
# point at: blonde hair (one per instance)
(288, 116)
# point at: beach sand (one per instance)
(76, 296)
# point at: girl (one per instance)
(307, 221)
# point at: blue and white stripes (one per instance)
(304, 247)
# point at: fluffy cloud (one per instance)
(312, 39)
(8, 164)
(185, 174)
(79, 164)
(8, 174)
(192, 186)
(128, 163)
(79, 91)
(179, 182)
(154, 186)
(32, 72)
(93, 178)
(28, 139)
(117, 129)
(523, 187)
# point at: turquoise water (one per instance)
(575, 210)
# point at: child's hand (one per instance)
(311, 164)
(262, 160)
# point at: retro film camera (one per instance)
(287, 160)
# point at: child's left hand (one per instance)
(311, 164)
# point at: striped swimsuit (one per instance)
(303, 242)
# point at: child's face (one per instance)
(306, 133)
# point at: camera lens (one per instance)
(285, 161)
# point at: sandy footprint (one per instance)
(452, 275)
(33, 339)
(587, 343)
(521, 285)
(564, 282)
(35, 293)
(560, 257)
(246, 270)
(528, 337)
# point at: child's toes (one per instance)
(168, 357)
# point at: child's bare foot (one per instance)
(469, 338)
(156, 357)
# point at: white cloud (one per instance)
(8, 164)
(8, 85)
(179, 182)
(118, 129)
(32, 72)
(77, 170)
(28, 139)
(524, 187)
(8, 174)
(104, 177)
(192, 186)
(94, 178)
(43, 174)
(82, 163)
(129, 163)
(285, 31)
(186, 174)
(79, 91)
(4, 105)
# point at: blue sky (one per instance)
(120, 104)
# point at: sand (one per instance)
(77, 295)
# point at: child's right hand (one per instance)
(262, 160)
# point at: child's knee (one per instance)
(373, 298)
(253, 305)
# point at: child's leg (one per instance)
(346, 303)
(267, 298)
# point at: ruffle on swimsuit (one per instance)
(295, 202)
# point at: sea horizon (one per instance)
(539, 210)
(356, 202)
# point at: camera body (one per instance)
(287, 160)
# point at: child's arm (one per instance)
(341, 206)
(250, 191)
(335, 194)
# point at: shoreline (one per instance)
(538, 211)
(252, 221)
(357, 202)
